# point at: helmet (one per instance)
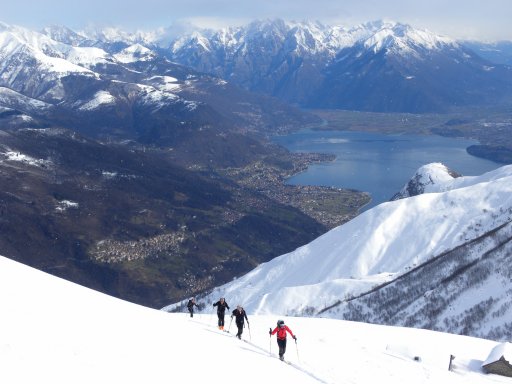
(280, 323)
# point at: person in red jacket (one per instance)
(281, 330)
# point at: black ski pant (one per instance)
(191, 310)
(220, 315)
(240, 327)
(282, 346)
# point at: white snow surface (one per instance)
(165, 83)
(376, 246)
(48, 54)
(26, 159)
(404, 39)
(55, 331)
(134, 53)
(100, 98)
(87, 56)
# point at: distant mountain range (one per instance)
(122, 90)
(380, 66)
(437, 258)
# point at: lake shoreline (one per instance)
(377, 163)
(492, 129)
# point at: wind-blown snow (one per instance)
(54, 331)
(376, 246)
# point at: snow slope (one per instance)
(376, 246)
(54, 331)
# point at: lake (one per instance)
(380, 164)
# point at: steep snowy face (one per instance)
(380, 245)
(303, 38)
(425, 179)
(404, 40)
(27, 58)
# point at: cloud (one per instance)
(456, 18)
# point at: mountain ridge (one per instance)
(377, 66)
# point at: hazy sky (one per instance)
(473, 19)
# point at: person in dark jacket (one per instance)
(239, 314)
(221, 309)
(190, 306)
(281, 330)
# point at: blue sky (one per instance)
(467, 19)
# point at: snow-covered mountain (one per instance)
(378, 66)
(426, 177)
(59, 332)
(76, 83)
(403, 69)
(450, 244)
(112, 87)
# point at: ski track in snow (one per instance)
(259, 349)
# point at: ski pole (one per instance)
(270, 342)
(249, 328)
(230, 321)
(297, 349)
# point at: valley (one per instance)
(131, 222)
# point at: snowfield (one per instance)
(55, 331)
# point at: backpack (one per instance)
(281, 332)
